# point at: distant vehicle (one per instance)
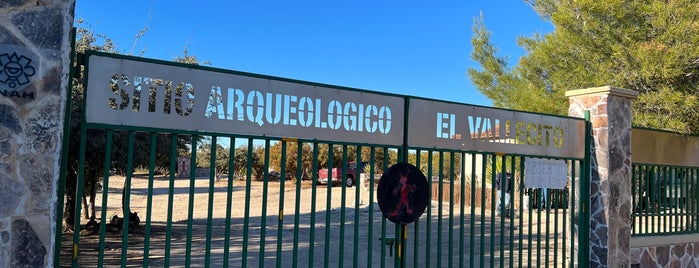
(352, 172)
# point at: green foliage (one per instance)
(383, 158)
(94, 159)
(204, 154)
(647, 46)
(666, 108)
(323, 153)
(446, 166)
(85, 40)
(258, 167)
(241, 161)
(189, 59)
(292, 162)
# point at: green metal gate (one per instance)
(170, 197)
(665, 187)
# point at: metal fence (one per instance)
(665, 178)
(665, 200)
(535, 231)
(261, 204)
(286, 221)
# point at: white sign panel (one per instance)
(545, 173)
(128, 91)
(446, 125)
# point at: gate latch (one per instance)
(389, 241)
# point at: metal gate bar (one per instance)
(539, 238)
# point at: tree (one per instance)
(292, 163)
(323, 149)
(241, 160)
(647, 46)
(95, 147)
(446, 164)
(258, 156)
(85, 40)
(220, 164)
(380, 162)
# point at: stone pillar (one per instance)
(34, 60)
(610, 181)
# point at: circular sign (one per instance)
(403, 193)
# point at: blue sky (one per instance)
(416, 48)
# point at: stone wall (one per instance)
(677, 255)
(34, 46)
(610, 178)
(665, 251)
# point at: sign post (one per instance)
(403, 195)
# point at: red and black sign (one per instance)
(403, 193)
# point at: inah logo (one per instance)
(15, 70)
